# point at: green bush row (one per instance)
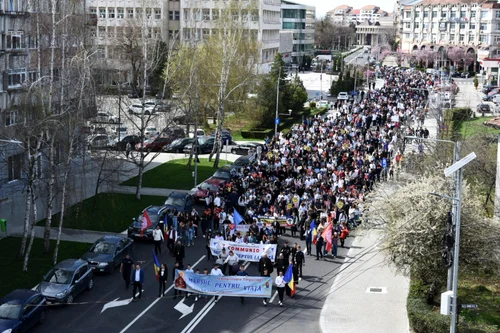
(256, 133)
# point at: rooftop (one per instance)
(369, 7)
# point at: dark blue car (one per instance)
(21, 310)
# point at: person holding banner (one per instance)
(232, 261)
(280, 285)
(242, 272)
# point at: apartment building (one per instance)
(374, 33)
(440, 24)
(198, 19)
(299, 19)
(345, 14)
(116, 18)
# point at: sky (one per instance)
(322, 6)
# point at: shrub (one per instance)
(423, 319)
(312, 105)
(256, 133)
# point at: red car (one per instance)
(209, 185)
(153, 144)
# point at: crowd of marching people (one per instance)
(311, 180)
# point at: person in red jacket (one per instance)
(343, 233)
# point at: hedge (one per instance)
(257, 133)
(423, 319)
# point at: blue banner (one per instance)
(241, 286)
(244, 251)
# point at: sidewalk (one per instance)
(144, 191)
(72, 235)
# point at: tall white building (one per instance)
(115, 17)
(441, 24)
(300, 19)
(345, 14)
(262, 17)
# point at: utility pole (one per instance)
(195, 141)
(277, 102)
(321, 83)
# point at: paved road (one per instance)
(152, 314)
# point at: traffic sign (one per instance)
(469, 306)
(276, 121)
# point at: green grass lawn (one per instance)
(174, 175)
(39, 262)
(485, 292)
(111, 212)
(475, 126)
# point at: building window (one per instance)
(130, 13)
(31, 42)
(453, 14)
(14, 162)
(433, 38)
(32, 77)
(407, 14)
(101, 32)
(206, 33)
(497, 26)
(473, 14)
(171, 15)
(417, 14)
(463, 13)
(14, 40)
(472, 26)
(93, 11)
(433, 25)
(215, 14)
(407, 25)
(441, 36)
(197, 14)
(206, 14)
(417, 25)
(111, 13)
(16, 77)
(484, 14)
(443, 14)
(482, 26)
(255, 16)
(452, 38)
(138, 12)
(157, 13)
(102, 12)
(472, 38)
(148, 13)
(497, 14)
(482, 38)
(461, 38)
(407, 35)
(111, 32)
(120, 13)
(424, 36)
(434, 13)
(462, 25)
(426, 13)
(187, 16)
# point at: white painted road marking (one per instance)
(195, 319)
(274, 296)
(183, 308)
(154, 302)
(115, 303)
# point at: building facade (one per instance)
(440, 25)
(374, 33)
(300, 19)
(345, 15)
(115, 19)
(261, 17)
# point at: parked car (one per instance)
(210, 185)
(157, 106)
(223, 173)
(183, 202)
(155, 214)
(139, 109)
(177, 146)
(322, 104)
(66, 281)
(199, 132)
(243, 162)
(107, 253)
(132, 139)
(226, 137)
(204, 144)
(487, 88)
(150, 131)
(106, 117)
(342, 96)
(483, 108)
(464, 75)
(21, 309)
(490, 96)
(119, 131)
(155, 143)
(174, 132)
(244, 148)
(99, 141)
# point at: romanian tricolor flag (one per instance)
(314, 236)
(288, 278)
(156, 265)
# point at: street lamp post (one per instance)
(277, 102)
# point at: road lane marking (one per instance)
(137, 293)
(154, 302)
(274, 296)
(199, 319)
(202, 312)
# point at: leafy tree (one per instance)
(415, 222)
(296, 94)
(327, 35)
